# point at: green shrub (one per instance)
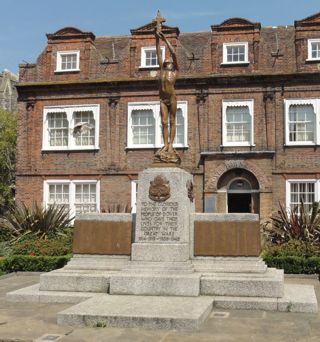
(298, 223)
(5, 234)
(43, 222)
(292, 248)
(50, 247)
(25, 263)
(294, 264)
(5, 248)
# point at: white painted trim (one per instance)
(144, 49)
(72, 184)
(308, 101)
(310, 41)
(68, 52)
(155, 107)
(69, 110)
(237, 103)
(246, 54)
(134, 184)
(288, 193)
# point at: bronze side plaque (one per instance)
(227, 238)
(159, 189)
(102, 237)
(189, 186)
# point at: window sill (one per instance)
(67, 150)
(66, 71)
(154, 147)
(301, 144)
(238, 145)
(152, 67)
(235, 63)
(313, 60)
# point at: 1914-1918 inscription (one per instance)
(159, 222)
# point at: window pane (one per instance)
(59, 195)
(58, 129)
(151, 58)
(304, 191)
(86, 198)
(238, 124)
(143, 127)
(315, 50)
(69, 61)
(236, 53)
(301, 123)
(84, 129)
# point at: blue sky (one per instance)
(24, 23)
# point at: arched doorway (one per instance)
(241, 191)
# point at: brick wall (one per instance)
(111, 76)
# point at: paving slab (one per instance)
(153, 312)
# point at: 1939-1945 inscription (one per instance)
(159, 222)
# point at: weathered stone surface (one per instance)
(75, 281)
(95, 262)
(246, 303)
(298, 298)
(160, 252)
(169, 267)
(132, 311)
(105, 217)
(153, 284)
(167, 221)
(32, 294)
(268, 284)
(229, 265)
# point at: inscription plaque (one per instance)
(159, 222)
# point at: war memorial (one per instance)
(166, 266)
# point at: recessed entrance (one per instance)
(240, 190)
(239, 203)
(239, 196)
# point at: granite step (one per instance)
(296, 298)
(76, 281)
(145, 312)
(268, 284)
(229, 265)
(97, 262)
(32, 294)
(153, 284)
(176, 267)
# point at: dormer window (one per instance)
(313, 49)
(149, 57)
(68, 61)
(235, 53)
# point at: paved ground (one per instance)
(28, 322)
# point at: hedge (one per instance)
(294, 264)
(26, 263)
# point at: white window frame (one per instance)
(155, 107)
(310, 41)
(237, 103)
(64, 53)
(72, 191)
(288, 189)
(134, 184)
(224, 53)
(69, 110)
(144, 49)
(316, 105)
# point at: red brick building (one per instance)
(248, 120)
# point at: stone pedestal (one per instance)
(160, 259)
